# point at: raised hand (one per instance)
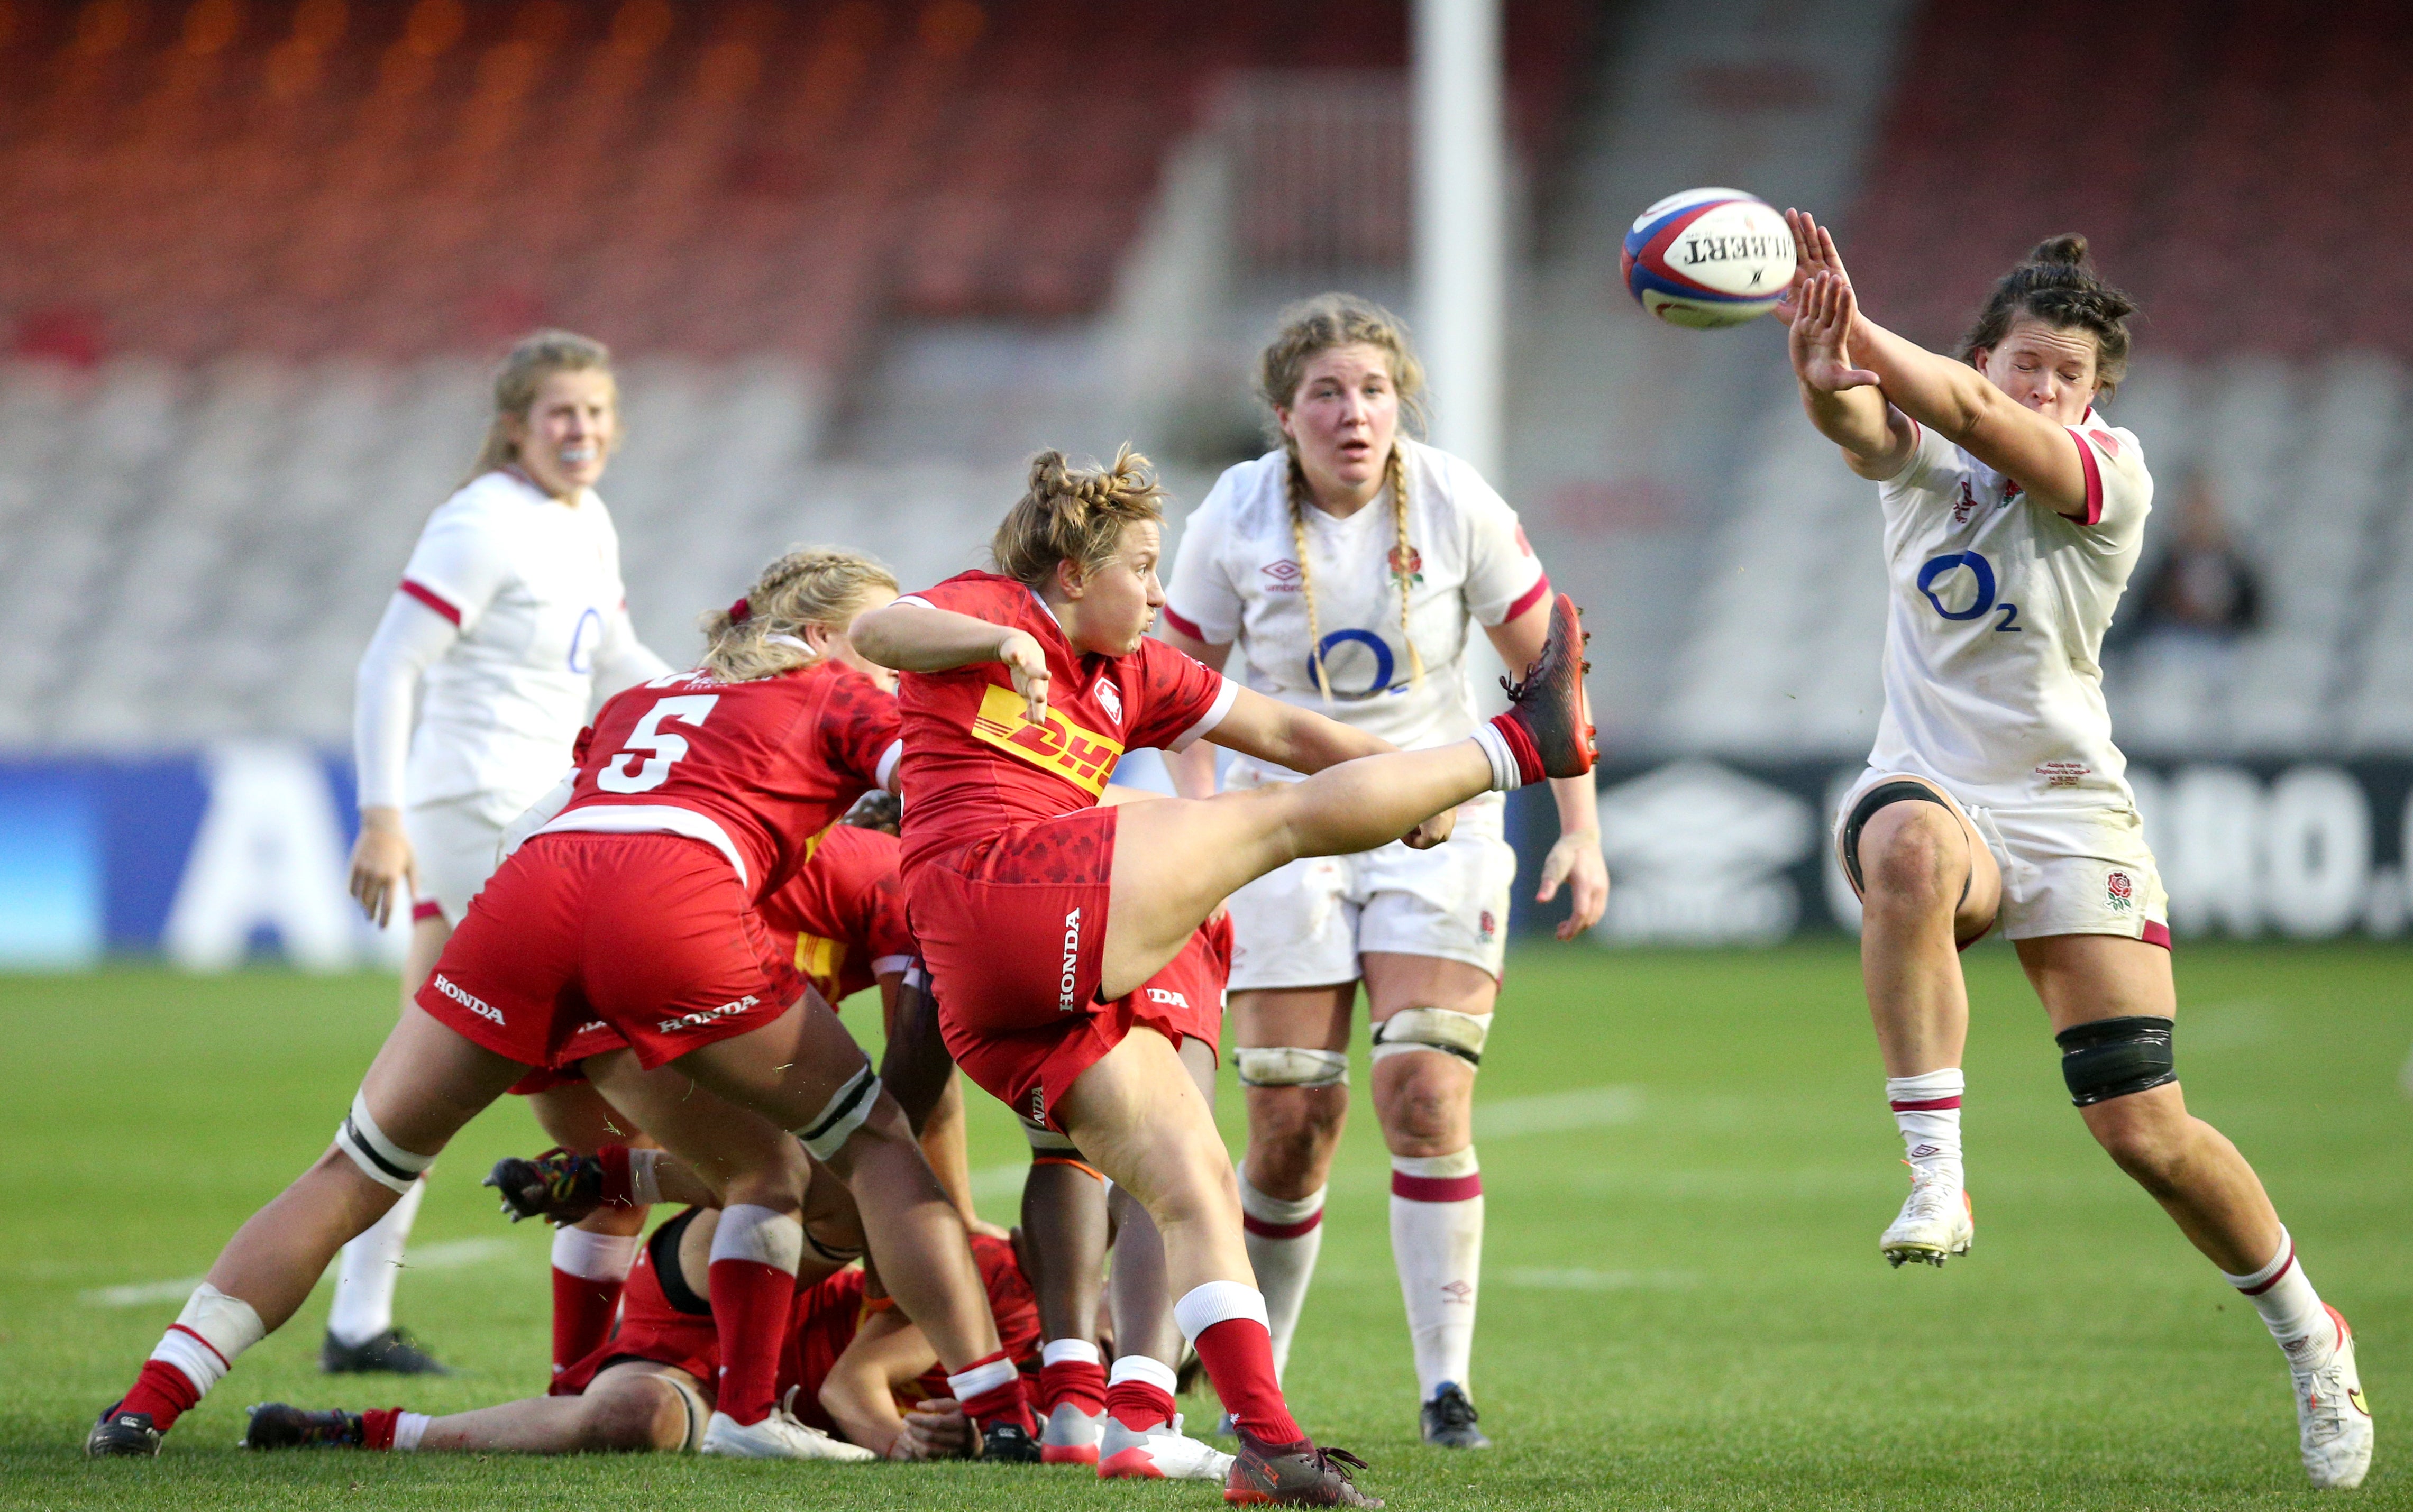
(1820, 343)
(1813, 253)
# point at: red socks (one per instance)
(1139, 1405)
(377, 1426)
(1238, 1354)
(582, 1316)
(163, 1391)
(1082, 1382)
(989, 1389)
(1520, 743)
(755, 1253)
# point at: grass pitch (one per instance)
(1687, 1161)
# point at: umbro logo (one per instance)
(1283, 577)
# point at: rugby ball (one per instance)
(1707, 258)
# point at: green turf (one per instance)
(1684, 1308)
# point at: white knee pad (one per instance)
(1445, 1030)
(1290, 1066)
(843, 1114)
(379, 1159)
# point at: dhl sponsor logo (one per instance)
(820, 959)
(1081, 757)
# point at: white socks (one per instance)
(409, 1429)
(212, 1330)
(1506, 776)
(367, 1270)
(758, 1235)
(1285, 1235)
(595, 1256)
(2290, 1308)
(1057, 1351)
(1437, 1243)
(1927, 1109)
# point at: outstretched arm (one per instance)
(1841, 400)
(913, 637)
(1952, 398)
(1575, 862)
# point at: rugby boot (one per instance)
(1448, 1421)
(1550, 700)
(390, 1353)
(558, 1186)
(275, 1425)
(1162, 1453)
(1008, 1442)
(122, 1435)
(1293, 1474)
(778, 1436)
(2332, 1419)
(1071, 1435)
(1936, 1223)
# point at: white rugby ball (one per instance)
(1707, 258)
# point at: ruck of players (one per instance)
(636, 893)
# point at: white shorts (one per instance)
(2068, 869)
(1305, 925)
(456, 845)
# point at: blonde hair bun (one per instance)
(822, 586)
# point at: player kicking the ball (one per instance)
(1348, 568)
(1039, 912)
(2013, 516)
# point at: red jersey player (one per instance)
(853, 1368)
(1038, 912)
(636, 906)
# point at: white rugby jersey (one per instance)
(532, 586)
(1237, 579)
(1995, 622)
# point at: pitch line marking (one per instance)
(453, 1255)
(1590, 1107)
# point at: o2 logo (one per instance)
(1372, 641)
(582, 642)
(1981, 574)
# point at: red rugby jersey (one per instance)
(755, 768)
(829, 1312)
(973, 766)
(843, 913)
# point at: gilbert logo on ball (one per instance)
(1707, 258)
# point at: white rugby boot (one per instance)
(1936, 1223)
(1163, 1453)
(778, 1436)
(2332, 1419)
(1069, 1436)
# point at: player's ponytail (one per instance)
(1074, 514)
(2058, 285)
(1309, 328)
(762, 634)
(535, 358)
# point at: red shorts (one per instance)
(651, 935)
(653, 1326)
(1004, 954)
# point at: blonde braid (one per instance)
(1403, 563)
(1295, 486)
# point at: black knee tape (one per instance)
(1864, 810)
(2114, 1057)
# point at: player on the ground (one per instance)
(510, 620)
(696, 796)
(2013, 514)
(855, 1370)
(1347, 568)
(1039, 913)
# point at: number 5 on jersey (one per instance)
(659, 747)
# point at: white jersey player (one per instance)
(509, 624)
(2013, 514)
(1350, 569)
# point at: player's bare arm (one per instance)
(917, 638)
(2026, 440)
(1841, 399)
(860, 1392)
(1575, 862)
(384, 871)
(1194, 770)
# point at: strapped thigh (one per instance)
(1901, 789)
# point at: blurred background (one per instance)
(858, 258)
